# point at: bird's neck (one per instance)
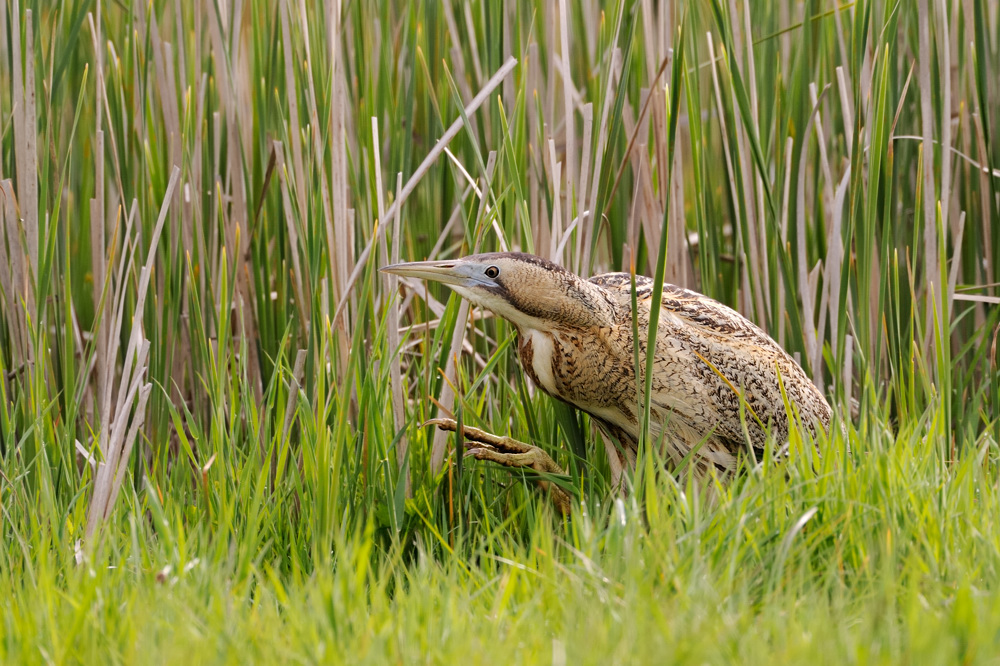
(574, 304)
(591, 306)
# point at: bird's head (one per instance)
(528, 291)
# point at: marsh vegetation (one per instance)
(210, 406)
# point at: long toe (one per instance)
(492, 455)
(474, 437)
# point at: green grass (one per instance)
(209, 442)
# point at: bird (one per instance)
(717, 379)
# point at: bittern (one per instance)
(575, 342)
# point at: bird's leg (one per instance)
(509, 452)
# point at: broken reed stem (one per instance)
(418, 174)
(120, 438)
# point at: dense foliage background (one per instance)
(210, 406)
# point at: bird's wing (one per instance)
(696, 309)
(720, 355)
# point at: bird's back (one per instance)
(707, 356)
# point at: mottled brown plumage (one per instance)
(575, 343)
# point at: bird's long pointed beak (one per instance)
(445, 272)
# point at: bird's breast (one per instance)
(537, 356)
(577, 368)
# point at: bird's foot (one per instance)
(509, 452)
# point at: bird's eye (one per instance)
(492, 272)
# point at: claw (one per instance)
(444, 424)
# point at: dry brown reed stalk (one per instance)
(120, 427)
